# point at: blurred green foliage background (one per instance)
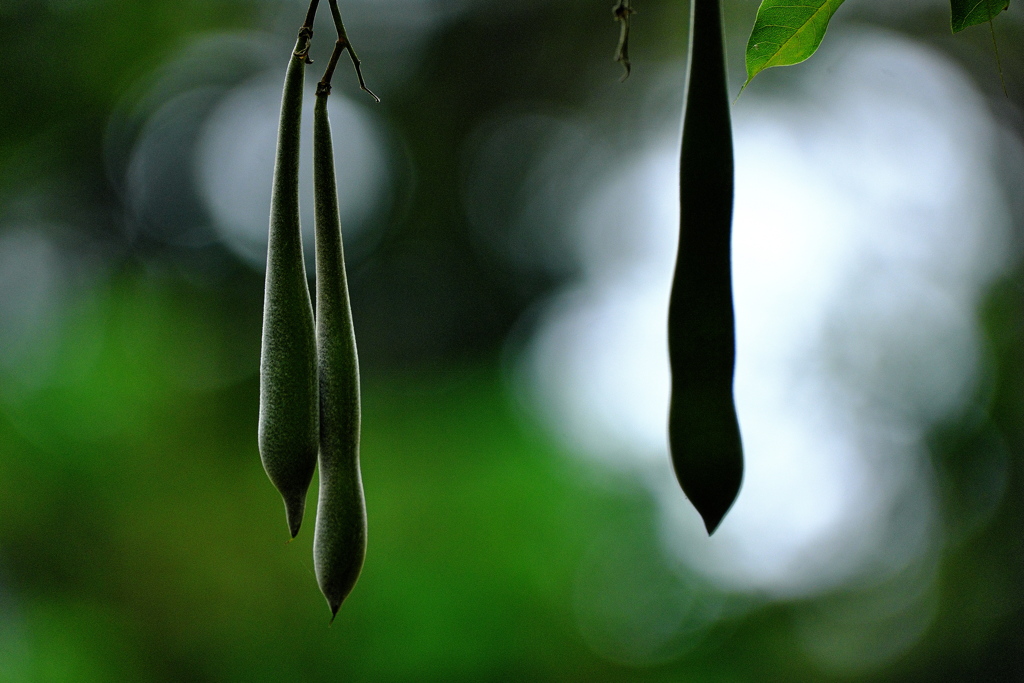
(139, 536)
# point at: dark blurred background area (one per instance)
(508, 213)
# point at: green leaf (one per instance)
(970, 12)
(787, 32)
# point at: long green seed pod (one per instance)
(339, 542)
(289, 404)
(703, 430)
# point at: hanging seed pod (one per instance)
(704, 434)
(289, 407)
(339, 542)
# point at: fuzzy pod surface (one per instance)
(339, 541)
(704, 435)
(289, 402)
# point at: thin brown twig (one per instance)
(310, 14)
(324, 86)
(995, 48)
(306, 31)
(343, 43)
(622, 11)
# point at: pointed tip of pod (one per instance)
(712, 498)
(712, 503)
(713, 511)
(712, 493)
(294, 511)
(711, 522)
(706, 449)
(711, 478)
(334, 613)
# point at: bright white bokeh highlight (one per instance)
(868, 223)
(235, 165)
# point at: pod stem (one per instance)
(622, 11)
(999, 62)
(306, 33)
(310, 15)
(343, 43)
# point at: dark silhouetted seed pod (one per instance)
(703, 429)
(339, 542)
(289, 404)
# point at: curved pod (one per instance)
(339, 542)
(289, 404)
(704, 434)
